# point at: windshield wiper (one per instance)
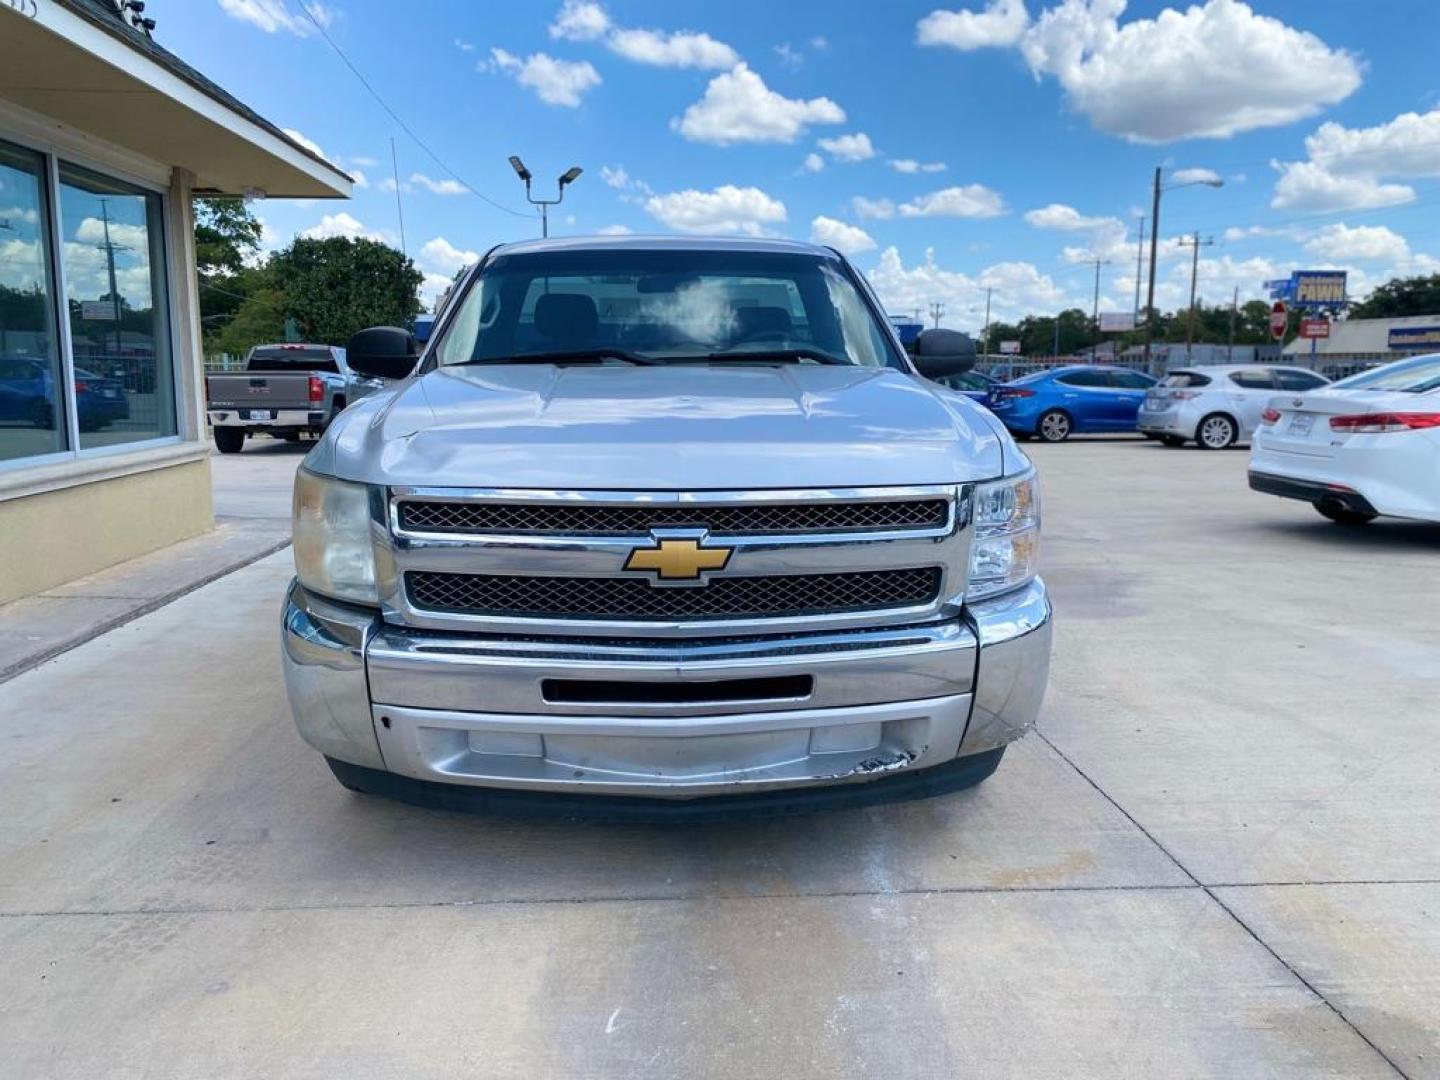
(818, 355)
(567, 356)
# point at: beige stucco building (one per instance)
(104, 136)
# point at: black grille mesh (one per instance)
(577, 519)
(625, 599)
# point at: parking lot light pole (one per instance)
(569, 176)
(1160, 186)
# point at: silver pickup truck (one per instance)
(664, 526)
(285, 390)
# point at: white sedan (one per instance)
(1362, 447)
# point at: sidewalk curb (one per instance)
(104, 626)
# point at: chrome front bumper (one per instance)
(477, 709)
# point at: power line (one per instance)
(396, 116)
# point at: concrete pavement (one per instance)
(1215, 859)
(252, 519)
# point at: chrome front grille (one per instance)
(582, 519)
(519, 562)
(636, 599)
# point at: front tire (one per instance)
(1342, 515)
(229, 440)
(1216, 432)
(1054, 426)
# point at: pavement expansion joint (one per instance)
(1209, 891)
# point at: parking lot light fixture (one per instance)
(569, 176)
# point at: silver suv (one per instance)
(1217, 405)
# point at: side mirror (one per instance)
(938, 353)
(382, 352)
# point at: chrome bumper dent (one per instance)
(470, 709)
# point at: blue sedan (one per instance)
(1081, 398)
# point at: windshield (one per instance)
(1417, 376)
(619, 306)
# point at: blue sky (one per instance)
(998, 145)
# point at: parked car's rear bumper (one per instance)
(279, 418)
(1165, 422)
(480, 711)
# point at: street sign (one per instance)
(1010, 348)
(1315, 328)
(1279, 320)
(1116, 321)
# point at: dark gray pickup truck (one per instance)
(285, 390)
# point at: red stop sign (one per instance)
(1279, 320)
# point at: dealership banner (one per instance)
(1116, 321)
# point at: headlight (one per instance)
(334, 555)
(1005, 550)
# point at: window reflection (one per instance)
(32, 419)
(115, 295)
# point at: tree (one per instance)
(1401, 296)
(336, 286)
(227, 238)
(226, 235)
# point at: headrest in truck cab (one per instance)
(755, 321)
(566, 317)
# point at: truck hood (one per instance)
(688, 427)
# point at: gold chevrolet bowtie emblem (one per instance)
(678, 560)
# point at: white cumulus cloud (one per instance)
(1065, 218)
(343, 224)
(555, 82)
(1354, 168)
(969, 201)
(1210, 71)
(1019, 288)
(584, 20)
(738, 107)
(439, 187)
(837, 234)
(1000, 23)
(1195, 176)
(440, 256)
(273, 15)
(1369, 243)
(813, 162)
(854, 147)
(726, 209)
(910, 165)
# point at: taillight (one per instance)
(1015, 392)
(81, 386)
(1270, 416)
(1374, 423)
(317, 388)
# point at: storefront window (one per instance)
(32, 397)
(113, 258)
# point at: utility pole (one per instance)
(1196, 243)
(1150, 294)
(937, 310)
(1056, 351)
(988, 291)
(110, 248)
(399, 211)
(1234, 304)
(1095, 308)
(1139, 262)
